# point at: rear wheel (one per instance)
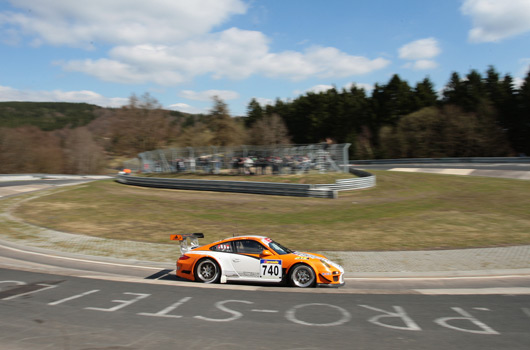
(302, 276)
(207, 271)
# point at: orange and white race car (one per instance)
(253, 259)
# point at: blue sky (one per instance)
(185, 51)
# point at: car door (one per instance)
(246, 260)
(223, 253)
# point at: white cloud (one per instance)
(518, 82)
(186, 108)
(82, 24)
(208, 95)
(420, 49)
(233, 53)
(421, 65)
(525, 66)
(170, 42)
(122, 72)
(495, 20)
(11, 94)
(424, 64)
(323, 62)
(422, 52)
(265, 101)
(522, 73)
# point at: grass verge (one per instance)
(406, 211)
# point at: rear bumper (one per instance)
(184, 271)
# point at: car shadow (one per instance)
(164, 275)
(169, 275)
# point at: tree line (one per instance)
(46, 116)
(475, 115)
(47, 138)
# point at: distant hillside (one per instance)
(46, 115)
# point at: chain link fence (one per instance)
(249, 160)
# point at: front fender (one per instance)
(323, 273)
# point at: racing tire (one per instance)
(302, 276)
(207, 271)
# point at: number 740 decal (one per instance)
(270, 269)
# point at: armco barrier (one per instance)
(267, 188)
(349, 184)
(364, 180)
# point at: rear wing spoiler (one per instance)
(183, 239)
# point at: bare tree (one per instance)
(82, 154)
(269, 130)
(30, 150)
(140, 126)
(196, 135)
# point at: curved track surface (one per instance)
(52, 301)
(48, 311)
(31, 259)
(505, 170)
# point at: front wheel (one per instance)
(207, 271)
(302, 276)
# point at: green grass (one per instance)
(406, 211)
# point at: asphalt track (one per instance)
(503, 170)
(513, 280)
(474, 166)
(58, 300)
(48, 311)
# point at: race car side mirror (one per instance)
(265, 253)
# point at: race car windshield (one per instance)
(279, 249)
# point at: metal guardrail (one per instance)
(350, 184)
(266, 188)
(364, 180)
(443, 160)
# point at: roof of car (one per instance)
(248, 236)
(240, 237)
